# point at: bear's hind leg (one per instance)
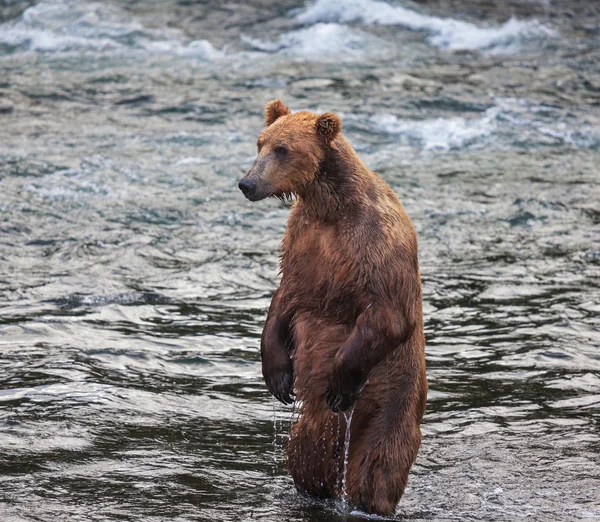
(378, 473)
(313, 456)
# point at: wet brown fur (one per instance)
(347, 314)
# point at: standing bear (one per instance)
(345, 327)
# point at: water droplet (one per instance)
(348, 417)
(275, 441)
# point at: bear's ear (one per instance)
(329, 126)
(274, 110)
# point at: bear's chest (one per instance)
(319, 270)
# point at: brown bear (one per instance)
(345, 327)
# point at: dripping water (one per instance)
(276, 445)
(348, 417)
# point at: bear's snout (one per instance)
(248, 187)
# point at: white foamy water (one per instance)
(531, 123)
(59, 26)
(321, 39)
(510, 121)
(444, 32)
(586, 137)
(441, 134)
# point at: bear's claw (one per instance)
(280, 385)
(339, 400)
(343, 388)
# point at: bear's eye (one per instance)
(280, 152)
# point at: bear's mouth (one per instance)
(254, 197)
(254, 191)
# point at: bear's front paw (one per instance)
(280, 381)
(340, 400)
(342, 391)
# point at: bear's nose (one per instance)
(247, 186)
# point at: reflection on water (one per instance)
(135, 279)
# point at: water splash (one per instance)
(348, 417)
(320, 40)
(447, 33)
(79, 25)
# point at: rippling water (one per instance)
(135, 278)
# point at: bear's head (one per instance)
(290, 150)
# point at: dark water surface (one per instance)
(135, 278)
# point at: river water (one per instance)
(135, 278)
